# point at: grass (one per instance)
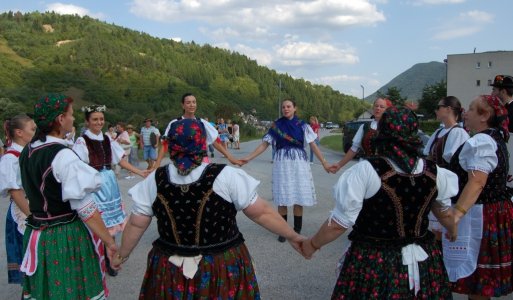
(10, 54)
(333, 142)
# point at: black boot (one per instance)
(110, 270)
(298, 223)
(282, 239)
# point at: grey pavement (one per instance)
(282, 273)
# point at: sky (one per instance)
(354, 46)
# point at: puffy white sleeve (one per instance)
(212, 133)
(478, 154)
(447, 186)
(117, 152)
(354, 185)
(10, 177)
(236, 186)
(78, 179)
(268, 139)
(457, 136)
(357, 139)
(310, 135)
(144, 194)
(430, 142)
(80, 148)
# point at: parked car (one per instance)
(331, 125)
(351, 127)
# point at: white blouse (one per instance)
(232, 184)
(361, 182)
(78, 179)
(478, 154)
(309, 134)
(456, 138)
(10, 175)
(358, 137)
(80, 147)
(211, 131)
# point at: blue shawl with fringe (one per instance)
(289, 135)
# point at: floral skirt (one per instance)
(378, 273)
(227, 275)
(14, 249)
(67, 265)
(493, 276)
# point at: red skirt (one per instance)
(493, 276)
(227, 275)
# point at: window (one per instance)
(489, 64)
(489, 82)
(478, 82)
(478, 65)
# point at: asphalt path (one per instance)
(282, 273)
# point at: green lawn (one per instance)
(333, 142)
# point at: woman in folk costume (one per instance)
(363, 137)
(444, 142)
(100, 152)
(386, 200)
(483, 268)
(63, 256)
(200, 253)
(292, 177)
(19, 130)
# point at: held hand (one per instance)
(112, 249)
(326, 166)
(237, 162)
(308, 249)
(297, 243)
(116, 261)
(334, 168)
(145, 173)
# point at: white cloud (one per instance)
(467, 24)
(304, 53)
(70, 9)
(438, 2)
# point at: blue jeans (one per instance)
(149, 153)
(311, 152)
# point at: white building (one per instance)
(470, 75)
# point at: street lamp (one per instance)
(363, 92)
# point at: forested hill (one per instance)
(137, 75)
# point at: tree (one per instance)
(431, 94)
(393, 94)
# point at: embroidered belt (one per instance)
(43, 222)
(170, 248)
(396, 242)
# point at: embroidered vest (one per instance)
(368, 134)
(192, 219)
(41, 187)
(397, 215)
(495, 189)
(436, 150)
(100, 153)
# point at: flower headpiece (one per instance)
(94, 108)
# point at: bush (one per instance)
(429, 126)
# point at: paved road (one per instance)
(282, 273)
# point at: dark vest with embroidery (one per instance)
(192, 219)
(397, 215)
(495, 189)
(436, 150)
(368, 135)
(100, 153)
(42, 189)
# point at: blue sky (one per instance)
(346, 44)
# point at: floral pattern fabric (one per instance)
(227, 275)
(187, 144)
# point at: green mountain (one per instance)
(138, 76)
(412, 81)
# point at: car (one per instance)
(331, 125)
(351, 127)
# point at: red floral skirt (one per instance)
(493, 276)
(378, 273)
(227, 275)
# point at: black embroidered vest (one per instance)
(495, 189)
(100, 153)
(192, 219)
(436, 150)
(42, 189)
(368, 135)
(397, 214)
